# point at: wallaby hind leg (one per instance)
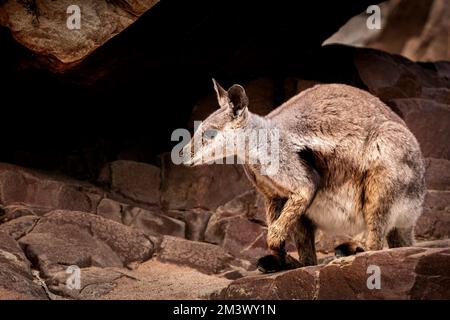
(305, 241)
(400, 237)
(377, 202)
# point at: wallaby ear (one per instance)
(238, 99)
(222, 95)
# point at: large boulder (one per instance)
(42, 26)
(405, 273)
(205, 187)
(46, 191)
(205, 257)
(428, 120)
(434, 223)
(135, 181)
(16, 279)
(62, 238)
(150, 221)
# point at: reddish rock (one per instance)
(62, 238)
(249, 204)
(16, 280)
(428, 120)
(36, 189)
(297, 284)
(136, 181)
(205, 257)
(149, 221)
(205, 187)
(434, 223)
(405, 273)
(19, 227)
(195, 220)
(45, 32)
(238, 235)
(438, 174)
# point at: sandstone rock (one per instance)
(19, 227)
(135, 181)
(204, 187)
(417, 30)
(16, 280)
(434, 223)
(438, 174)
(156, 280)
(45, 30)
(94, 283)
(195, 220)
(149, 221)
(35, 189)
(400, 78)
(16, 211)
(432, 43)
(241, 237)
(205, 257)
(62, 238)
(421, 115)
(406, 273)
(296, 284)
(249, 204)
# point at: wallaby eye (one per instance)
(210, 134)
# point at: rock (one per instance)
(44, 29)
(445, 243)
(15, 211)
(136, 181)
(19, 227)
(420, 115)
(156, 280)
(205, 257)
(438, 174)
(249, 204)
(195, 220)
(434, 223)
(432, 43)
(149, 221)
(400, 78)
(16, 280)
(297, 284)
(205, 187)
(44, 191)
(415, 29)
(94, 283)
(241, 237)
(63, 238)
(405, 273)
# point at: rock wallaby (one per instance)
(347, 164)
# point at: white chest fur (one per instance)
(337, 211)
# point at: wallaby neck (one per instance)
(262, 145)
(257, 122)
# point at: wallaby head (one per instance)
(209, 142)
